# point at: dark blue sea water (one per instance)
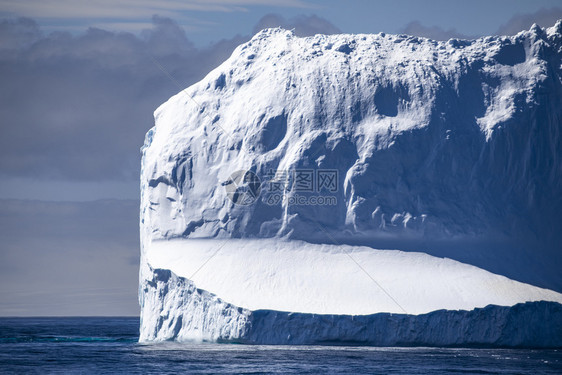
(109, 345)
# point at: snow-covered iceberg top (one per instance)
(431, 139)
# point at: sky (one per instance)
(80, 83)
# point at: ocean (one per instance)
(109, 345)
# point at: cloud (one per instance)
(69, 258)
(303, 25)
(132, 9)
(517, 23)
(432, 32)
(77, 107)
(20, 33)
(542, 17)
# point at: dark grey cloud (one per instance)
(16, 34)
(69, 258)
(542, 17)
(302, 25)
(77, 107)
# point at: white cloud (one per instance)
(132, 9)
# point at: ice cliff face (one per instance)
(453, 148)
(430, 139)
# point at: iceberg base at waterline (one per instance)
(184, 313)
(293, 292)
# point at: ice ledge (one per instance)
(174, 309)
(297, 276)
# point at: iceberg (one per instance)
(359, 189)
